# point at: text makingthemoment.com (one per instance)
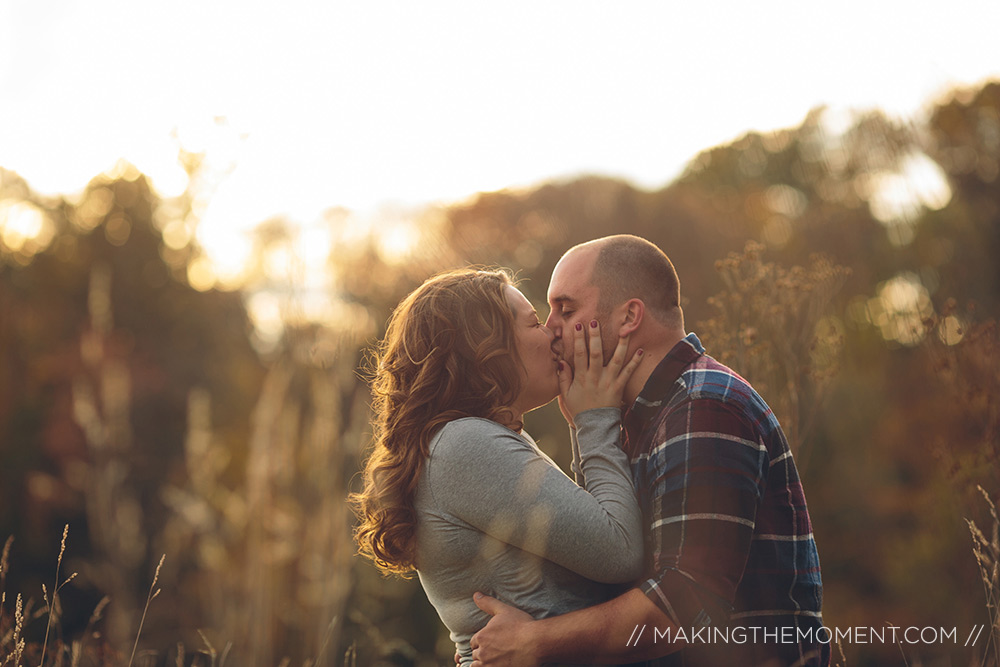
(891, 634)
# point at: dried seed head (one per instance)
(6, 554)
(156, 575)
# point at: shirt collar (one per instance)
(660, 386)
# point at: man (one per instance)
(732, 573)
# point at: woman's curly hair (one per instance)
(449, 352)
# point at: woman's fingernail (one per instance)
(593, 323)
(579, 326)
(560, 365)
(639, 351)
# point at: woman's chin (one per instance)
(542, 401)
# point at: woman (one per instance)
(457, 491)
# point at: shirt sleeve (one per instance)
(707, 475)
(499, 483)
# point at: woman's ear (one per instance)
(634, 312)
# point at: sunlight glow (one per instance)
(281, 264)
(158, 160)
(201, 275)
(786, 200)
(20, 222)
(897, 199)
(899, 310)
(265, 313)
(350, 105)
(24, 228)
(396, 241)
(313, 246)
(93, 209)
(230, 266)
(229, 251)
(176, 234)
(356, 107)
(785, 204)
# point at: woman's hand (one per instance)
(593, 385)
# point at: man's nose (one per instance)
(553, 326)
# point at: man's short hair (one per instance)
(630, 267)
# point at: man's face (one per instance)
(573, 300)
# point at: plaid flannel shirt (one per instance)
(729, 539)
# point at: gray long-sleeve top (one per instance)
(495, 514)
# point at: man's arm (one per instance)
(628, 628)
(706, 476)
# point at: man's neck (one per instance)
(653, 353)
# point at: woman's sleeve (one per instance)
(492, 479)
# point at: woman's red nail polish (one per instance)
(639, 351)
(593, 323)
(579, 326)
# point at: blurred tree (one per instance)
(962, 241)
(164, 338)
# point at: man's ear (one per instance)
(632, 316)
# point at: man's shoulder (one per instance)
(710, 379)
(707, 379)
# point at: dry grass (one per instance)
(258, 533)
(149, 598)
(987, 553)
(273, 561)
(259, 537)
(273, 549)
(13, 645)
(967, 370)
(771, 326)
(53, 607)
(965, 356)
(102, 408)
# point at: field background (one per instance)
(850, 272)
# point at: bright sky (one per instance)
(362, 103)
